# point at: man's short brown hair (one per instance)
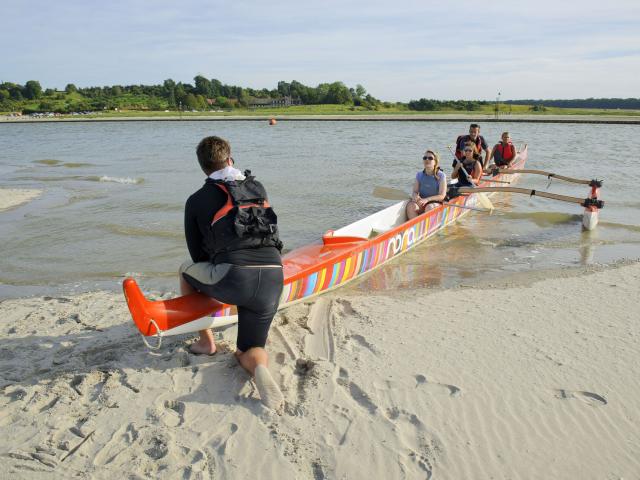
(213, 153)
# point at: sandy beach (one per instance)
(508, 381)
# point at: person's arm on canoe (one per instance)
(192, 233)
(415, 191)
(456, 170)
(442, 186)
(476, 175)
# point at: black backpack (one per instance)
(247, 220)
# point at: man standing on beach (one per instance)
(235, 258)
(479, 142)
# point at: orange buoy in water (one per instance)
(272, 121)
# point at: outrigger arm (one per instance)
(585, 202)
(592, 183)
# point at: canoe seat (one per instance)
(375, 231)
(330, 239)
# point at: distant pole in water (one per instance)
(272, 121)
(497, 109)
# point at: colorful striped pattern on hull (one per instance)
(309, 270)
(372, 254)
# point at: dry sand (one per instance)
(522, 382)
(12, 197)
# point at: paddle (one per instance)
(389, 193)
(482, 198)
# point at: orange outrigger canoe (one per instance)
(342, 256)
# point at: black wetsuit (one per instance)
(252, 278)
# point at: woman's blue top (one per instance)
(430, 185)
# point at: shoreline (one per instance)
(578, 119)
(496, 282)
(514, 381)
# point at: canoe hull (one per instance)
(344, 255)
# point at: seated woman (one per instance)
(503, 153)
(429, 187)
(469, 170)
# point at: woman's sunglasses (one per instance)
(428, 158)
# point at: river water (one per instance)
(113, 198)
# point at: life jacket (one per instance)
(462, 178)
(462, 139)
(504, 152)
(246, 220)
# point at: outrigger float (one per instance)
(342, 256)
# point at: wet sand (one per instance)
(517, 381)
(14, 197)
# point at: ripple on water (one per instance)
(59, 163)
(84, 178)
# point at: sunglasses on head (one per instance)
(428, 157)
(468, 150)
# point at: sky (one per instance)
(398, 50)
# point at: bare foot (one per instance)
(270, 393)
(202, 347)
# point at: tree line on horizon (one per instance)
(600, 103)
(211, 94)
(203, 94)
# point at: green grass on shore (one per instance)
(486, 110)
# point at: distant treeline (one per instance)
(203, 94)
(434, 105)
(605, 103)
(211, 94)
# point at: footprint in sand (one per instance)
(120, 442)
(175, 413)
(90, 385)
(221, 441)
(589, 398)
(41, 461)
(156, 446)
(362, 342)
(357, 394)
(419, 445)
(421, 383)
(40, 402)
(196, 464)
(342, 416)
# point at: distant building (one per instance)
(285, 101)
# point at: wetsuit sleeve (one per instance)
(192, 233)
(483, 143)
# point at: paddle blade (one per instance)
(483, 200)
(389, 193)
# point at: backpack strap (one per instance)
(227, 206)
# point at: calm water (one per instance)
(114, 194)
